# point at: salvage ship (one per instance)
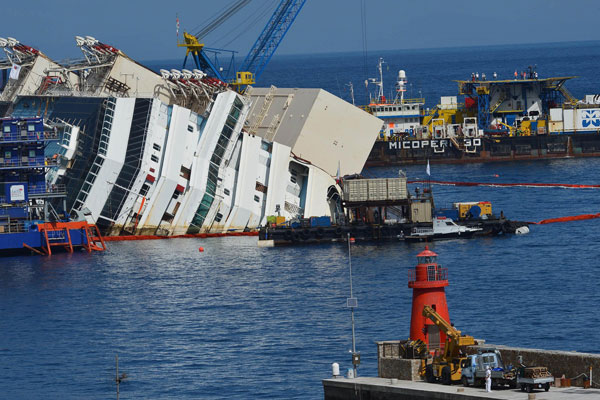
(525, 118)
(136, 152)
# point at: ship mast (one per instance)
(379, 83)
(401, 86)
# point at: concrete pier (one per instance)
(388, 389)
(570, 364)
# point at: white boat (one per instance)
(442, 228)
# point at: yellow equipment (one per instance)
(446, 366)
(191, 43)
(511, 129)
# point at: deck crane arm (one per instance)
(195, 48)
(268, 41)
(454, 338)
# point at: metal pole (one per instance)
(117, 376)
(352, 308)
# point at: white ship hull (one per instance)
(174, 156)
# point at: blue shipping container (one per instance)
(448, 213)
(320, 221)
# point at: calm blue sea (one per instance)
(240, 322)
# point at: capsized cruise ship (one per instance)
(142, 153)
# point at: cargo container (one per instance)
(320, 221)
(381, 189)
(448, 213)
(421, 211)
(475, 208)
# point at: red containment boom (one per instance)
(427, 281)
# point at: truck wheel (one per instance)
(465, 381)
(446, 376)
(429, 374)
(529, 388)
(547, 387)
(522, 387)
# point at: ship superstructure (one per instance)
(178, 152)
(400, 116)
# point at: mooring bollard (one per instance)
(531, 396)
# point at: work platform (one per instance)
(383, 388)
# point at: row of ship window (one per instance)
(30, 128)
(395, 108)
(9, 154)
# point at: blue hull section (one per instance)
(14, 241)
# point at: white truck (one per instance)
(529, 378)
(474, 366)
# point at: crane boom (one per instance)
(454, 338)
(271, 36)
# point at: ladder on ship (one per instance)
(569, 98)
(58, 234)
(498, 103)
(109, 105)
(432, 115)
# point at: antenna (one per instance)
(351, 92)
(352, 303)
(119, 378)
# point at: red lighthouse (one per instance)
(428, 280)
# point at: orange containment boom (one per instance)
(195, 235)
(490, 184)
(568, 219)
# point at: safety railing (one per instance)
(28, 136)
(433, 274)
(17, 162)
(12, 227)
(40, 191)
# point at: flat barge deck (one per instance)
(285, 235)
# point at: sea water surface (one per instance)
(241, 322)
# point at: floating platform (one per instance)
(46, 238)
(388, 389)
(285, 235)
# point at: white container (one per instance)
(335, 369)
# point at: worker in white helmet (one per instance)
(488, 379)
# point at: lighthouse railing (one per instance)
(433, 274)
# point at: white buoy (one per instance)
(335, 369)
(522, 230)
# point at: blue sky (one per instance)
(146, 30)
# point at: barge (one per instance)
(525, 118)
(384, 210)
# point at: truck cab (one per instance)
(473, 369)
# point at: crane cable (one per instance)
(221, 18)
(250, 22)
(363, 19)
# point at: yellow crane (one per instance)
(445, 367)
